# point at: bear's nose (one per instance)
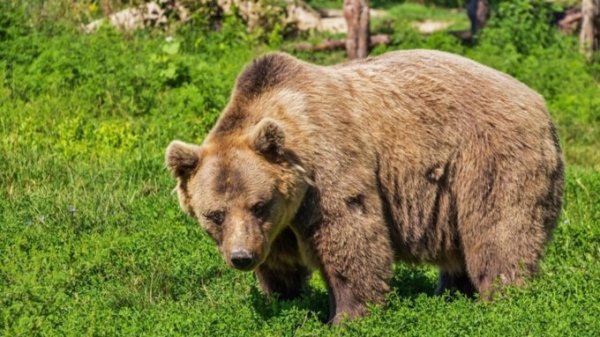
(241, 258)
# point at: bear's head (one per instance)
(244, 189)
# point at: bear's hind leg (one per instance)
(504, 247)
(493, 264)
(504, 220)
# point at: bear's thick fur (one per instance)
(418, 156)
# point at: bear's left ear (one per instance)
(268, 137)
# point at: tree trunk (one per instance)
(106, 7)
(356, 13)
(478, 12)
(590, 27)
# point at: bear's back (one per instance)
(433, 99)
(447, 84)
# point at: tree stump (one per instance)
(590, 27)
(356, 13)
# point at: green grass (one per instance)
(92, 242)
(416, 12)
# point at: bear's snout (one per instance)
(242, 259)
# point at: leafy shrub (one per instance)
(13, 21)
(522, 25)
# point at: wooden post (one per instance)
(590, 27)
(356, 13)
(106, 7)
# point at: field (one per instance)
(92, 241)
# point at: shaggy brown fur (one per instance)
(419, 156)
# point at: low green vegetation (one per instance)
(92, 242)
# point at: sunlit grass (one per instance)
(92, 241)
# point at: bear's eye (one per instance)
(260, 209)
(216, 217)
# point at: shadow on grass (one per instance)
(407, 283)
(311, 300)
(411, 283)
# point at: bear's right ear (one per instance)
(182, 158)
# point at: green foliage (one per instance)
(522, 25)
(12, 21)
(92, 241)
(412, 12)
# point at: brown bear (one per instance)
(418, 156)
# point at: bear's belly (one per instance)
(422, 214)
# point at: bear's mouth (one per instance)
(249, 267)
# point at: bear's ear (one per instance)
(268, 137)
(182, 158)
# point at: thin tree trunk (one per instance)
(478, 12)
(590, 27)
(356, 13)
(363, 30)
(106, 7)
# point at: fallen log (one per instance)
(375, 40)
(569, 21)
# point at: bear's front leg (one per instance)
(355, 256)
(287, 282)
(283, 273)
